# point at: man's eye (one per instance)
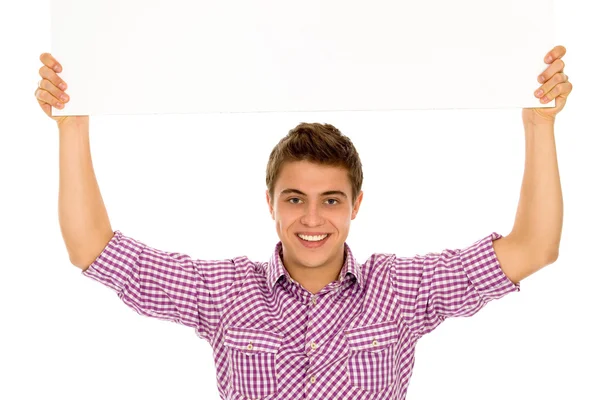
(293, 201)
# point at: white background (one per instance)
(195, 184)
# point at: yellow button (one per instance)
(313, 379)
(250, 346)
(313, 345)
(375, 343)
(314, 300)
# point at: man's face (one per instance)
(312, 199)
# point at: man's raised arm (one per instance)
(83, 219)
(535, 238)
(82, 215)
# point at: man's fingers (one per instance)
(555, 54)
(50, 62)
(51, 76)
(549, 85)
(52, 83)
(44, 96)
(562, 89)
(557, 66)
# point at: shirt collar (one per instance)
(276, 269)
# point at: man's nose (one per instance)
(312, 215)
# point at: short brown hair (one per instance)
(318, 143)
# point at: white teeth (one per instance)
(313, 238)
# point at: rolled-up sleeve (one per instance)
(164, 285)
(452, 283)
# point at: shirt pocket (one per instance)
(252, 360)
(370, 364)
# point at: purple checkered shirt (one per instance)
(273, 339)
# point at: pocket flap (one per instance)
(252, 340)
(372, 337)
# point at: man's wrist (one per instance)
(534, 118)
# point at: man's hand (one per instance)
(555, 86)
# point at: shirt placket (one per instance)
(317, 304)
(311, 345)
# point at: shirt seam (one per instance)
(392, 257)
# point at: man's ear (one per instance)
(269, 203)
(357, 204)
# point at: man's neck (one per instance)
(314, 279)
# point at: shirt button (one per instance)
(313, 345)
(374, 343)
(250, 346)
(314, 300)
(313, 379)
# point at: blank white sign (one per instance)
(194, 56)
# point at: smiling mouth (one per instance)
(313, 238)
(313, 241)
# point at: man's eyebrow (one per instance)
(328, 193)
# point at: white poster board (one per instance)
(194, 56)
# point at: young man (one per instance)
(312, 322)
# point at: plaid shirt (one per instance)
(273, 339)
